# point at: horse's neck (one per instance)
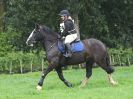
(50, 40)
(49, 44)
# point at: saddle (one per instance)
(76, 46)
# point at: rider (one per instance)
(67, 30)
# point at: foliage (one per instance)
(110, 21)
(9, 41)
(4, 45)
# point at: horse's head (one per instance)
(36, 35)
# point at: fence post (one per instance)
(113, 59)
(31, 65)
(11, 67)
(42, 64)
(128, 61)
(119, 59)
(79, 65)
(21, 66)
(110, 59)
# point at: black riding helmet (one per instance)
(64, 13)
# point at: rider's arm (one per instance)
(68, 27)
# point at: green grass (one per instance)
(22, 86)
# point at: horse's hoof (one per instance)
(81, 86)
(114, 83)
(39, 88)
(70, 85)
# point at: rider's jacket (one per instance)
(67, 27)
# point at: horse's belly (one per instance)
(76, 58)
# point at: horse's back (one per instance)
(95, 43)
(95, 48)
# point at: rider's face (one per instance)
(63, 18)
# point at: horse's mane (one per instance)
(49, 31)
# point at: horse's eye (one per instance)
(37, 31)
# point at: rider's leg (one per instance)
(68, 40)
(68, 49)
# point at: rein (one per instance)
(52, 44)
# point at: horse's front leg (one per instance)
(60, 74)
(44, 73)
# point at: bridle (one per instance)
(56, 40)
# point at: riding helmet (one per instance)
(64, 13)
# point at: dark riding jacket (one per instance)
(67, 28)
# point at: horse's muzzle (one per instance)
(29, 43)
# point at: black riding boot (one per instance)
(69, 54)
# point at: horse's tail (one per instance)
(110, 69)
(107, 59)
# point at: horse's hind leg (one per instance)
(89, 65)
(60, 74)
(109, 69)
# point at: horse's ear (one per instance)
(36, 26)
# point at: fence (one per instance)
(121, 57)
(19, 62)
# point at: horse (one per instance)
(94, 52)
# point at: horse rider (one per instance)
(67, 30)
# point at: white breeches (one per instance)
(70, 38)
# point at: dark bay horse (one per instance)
(95, 52)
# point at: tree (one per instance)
(108, 21)
(1, 15)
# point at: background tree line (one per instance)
(110, 21)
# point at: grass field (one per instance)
(22, 86)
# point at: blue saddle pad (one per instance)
(75, 46)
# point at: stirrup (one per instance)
(67, 55)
